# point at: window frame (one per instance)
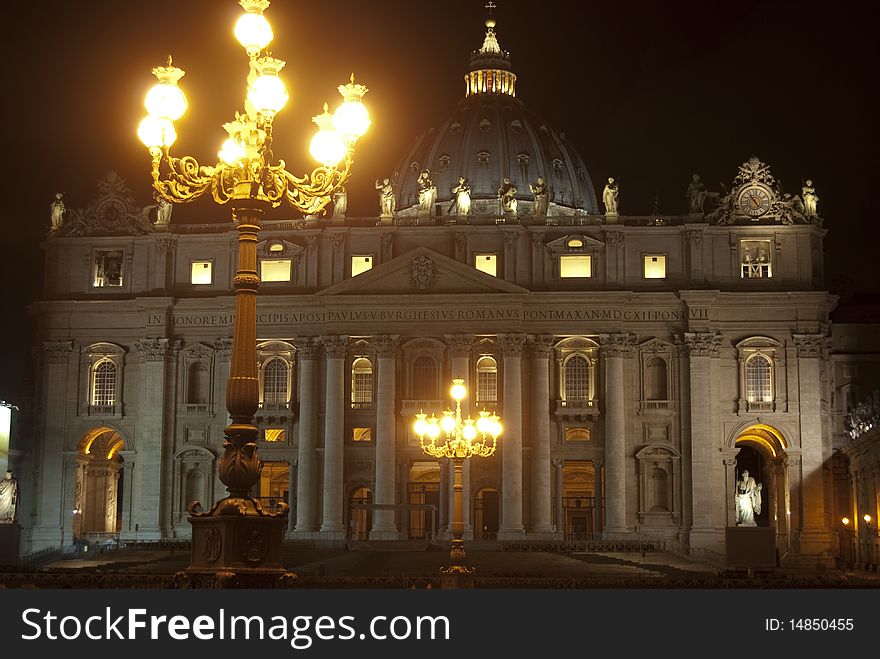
(476, 255)
(364, 404)
(351, 259)
(660, 255)
(192, 264)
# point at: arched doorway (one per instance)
(423, 491)
(578, 499)
(360, 516)
(98, 485)
(486, 514)
(762, 451)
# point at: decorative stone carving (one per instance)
(703, 344)
(615, 238)
(387, 202)
(58, 352)
(386, 344)
(541, 344)
(510, 238)
(165, 246)
(312, 243)
(460, 245)
(334, 346)
(254, 547)
(422, 273)
(387, 247)
(199, 351)
(152, 350)
(696, 194)
(57, 211)
(336, 240)
(223, 348)
(511, 344)
(693, 237)
(212, 544)
(340, 203)
(113, 211)
(611, 196)
(307, 347)
(538, 242)
(811, 345)
(618, 345)
(459, 344)
(542, 197)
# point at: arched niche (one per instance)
(659, 486)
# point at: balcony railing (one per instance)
(275, 407)
(577, 407)
(362, 405)
(656, 405)
(411, 407)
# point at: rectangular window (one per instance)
(275, 270)
(755, 259)
(362, 434)
(487, 263)
(655, 266)
(575, 266)
(360, 264)
(107, 270)
(275, 434)
(200, 272)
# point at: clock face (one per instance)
(754, 202)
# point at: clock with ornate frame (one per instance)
(754, 200)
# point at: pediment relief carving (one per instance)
(658, 452)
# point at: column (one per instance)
(814, 538)
(460, 350)
(615, 348)
(307, 348)
(541, 509)
(152, 354)
(292, 485)
(130, 521)
(334, 423)
(707, 511)
(56, 355)
(597, 497)
(444, 496)
(560, 522)
(384, 526)
(511, 439)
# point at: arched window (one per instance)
(487, 380)
(655, 379)
(197, 384)
(104, 384)
(576, 384)
(758, 385)
(361, 382)
(424, 379)
(276, 381)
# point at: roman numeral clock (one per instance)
(754, 200)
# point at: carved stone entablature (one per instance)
(334, 346)
(459, 344)
(540, 345)
(811, 345)
(113, 211)
(156, 349)
(702, 344)
(223, 348)
(618, 345)
(693, 237)
(58, 352)
(386, 344)
(615, 238)
(422, 273)
(511, 344)
(199, 351)
(307, 347)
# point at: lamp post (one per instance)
(464, 439)
(237, 542)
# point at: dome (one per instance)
(489, 136)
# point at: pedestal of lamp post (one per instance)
(457, 575)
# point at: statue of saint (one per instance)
(387, 204)
(340, 202)
(542, 197)
(507, 195)
(696, 194)
(163, 209)
(461, 204)
(811, 200)
(58, 209)
(8, 499)
(610, 197)
(748, 500)
(427, 192)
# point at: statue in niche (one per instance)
(340, 202)
(387, 204)
(163, 209)
(427, 192)
(610, 196)
(9, 491)
(58, 208)
(542, 197)
(811, 200)
(748, 500)
(507, 196)
(696, 194)
(461, 204)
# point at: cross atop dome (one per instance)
(490, 66)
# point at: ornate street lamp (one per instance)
(464, 439)
(237, 539)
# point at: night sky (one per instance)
(648, 92)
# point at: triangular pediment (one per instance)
(575, 242)
(422, 271)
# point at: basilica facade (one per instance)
(639, 364)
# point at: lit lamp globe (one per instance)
(327, 146)
(484, 424)
(469, 432)
(267, 94)
(420, 426)
(252, 29)
(352, 119)
(458, 390)
(433, 431)
(156, 132)
(231, 152)
(447, 423)
(165, 99)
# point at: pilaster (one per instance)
(511, 439)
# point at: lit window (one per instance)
(574, 243)
(487, 380)
(104, 384)
(200, 272)
(361, 382)
(275, 434)
(107, 270)
(575, 265)
(577, 434)
(755, 259)
(487, 263)
(655, 266)
(577, 379)
(362, 434)
(275, 269)
(276, 247)
(360, 264)
(276, 381)
(758, 389)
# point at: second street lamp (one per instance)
(237, 542)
